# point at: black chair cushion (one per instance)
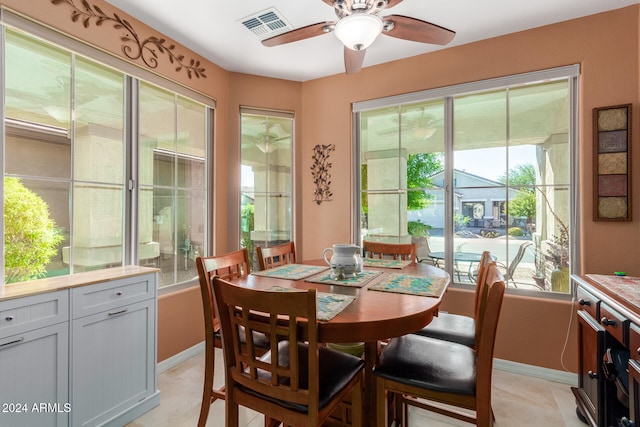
(451, 327)
(429, 363)
(336, 370)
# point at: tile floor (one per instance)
(518, 400)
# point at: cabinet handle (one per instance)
(592, 375)
(12, 342)
(115, 313)
(607, 322)
(626, 422)
(9, 318)
(584, 302)
(119, 293)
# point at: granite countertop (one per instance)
(52, 284)
(624, 288)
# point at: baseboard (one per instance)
(555, 375)
(179, 358)
(563, 377)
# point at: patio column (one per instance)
(271, 220)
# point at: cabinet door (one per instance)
(634, 392)
(113, 362)
(34, 376)
(590, 377)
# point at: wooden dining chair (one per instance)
(229, 265)
(273, 256)
(459, 328)
(420, 370)
(297, 382)
(403, 251)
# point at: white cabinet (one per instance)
(113, 351)
(82, 354)
(34, 343)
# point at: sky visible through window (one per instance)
(468, 161)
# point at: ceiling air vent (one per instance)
(267, 23)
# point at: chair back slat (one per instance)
(288, 318)
(274, 256)
(403, 251)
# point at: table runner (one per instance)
(291, 271)
(386, 263)
(413, 285)
(358, 281)
(328, 305)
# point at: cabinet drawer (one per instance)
(103, 296)
(614, 323)
(24, 314)
(587, 302)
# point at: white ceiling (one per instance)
(214, 29)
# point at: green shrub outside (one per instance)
(31, 238)
(418, 228)
(515, 231)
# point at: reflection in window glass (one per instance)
(401, 155)
(172, 192)
(510, 175)
(98, 159)
(266, 182)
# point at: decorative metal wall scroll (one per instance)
(612, 163)
(320, 172)
(133, 47)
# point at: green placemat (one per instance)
(358, 281)
(385, 263)
(328, 305)
(413, 285)
(291, 271)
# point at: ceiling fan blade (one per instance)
(417, 30)
(299, 34)
(329, 2)
(353, 60)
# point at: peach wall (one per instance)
(180, 322)
(606, 47)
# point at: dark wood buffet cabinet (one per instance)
(608, 316)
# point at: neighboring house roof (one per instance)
(456, 172)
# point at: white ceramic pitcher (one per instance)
(345, 260)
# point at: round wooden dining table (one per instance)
(371, 317)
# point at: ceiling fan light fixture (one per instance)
(358, 31)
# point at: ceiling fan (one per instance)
(358, 26)
(265, 138)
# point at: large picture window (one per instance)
(483, 166)
(101, 169)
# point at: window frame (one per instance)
(276, 114)
(571, 73)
